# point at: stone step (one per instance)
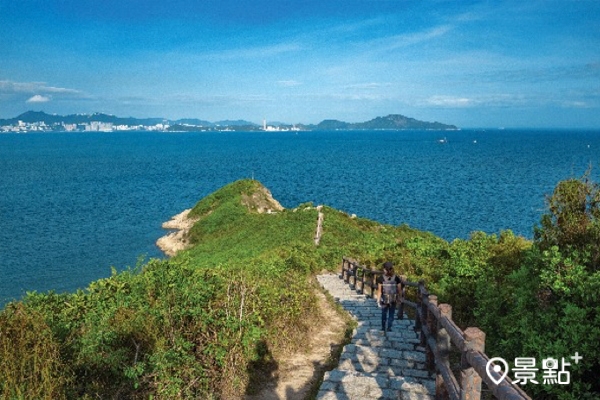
(376, 364)
(355, 385)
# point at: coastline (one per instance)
(173, 242)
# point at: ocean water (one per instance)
(74, 204)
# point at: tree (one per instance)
(555, 310)
(573, 221)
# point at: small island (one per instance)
(391, 122)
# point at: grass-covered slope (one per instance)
(207, 322)
(198, 325)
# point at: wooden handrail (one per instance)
(438, 333)
(351, 270)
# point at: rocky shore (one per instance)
(176, 241)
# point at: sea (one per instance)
(75, 205)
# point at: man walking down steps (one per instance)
(388, 288)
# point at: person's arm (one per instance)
(379, 291)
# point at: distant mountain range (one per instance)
(390, 122)
(49, 119)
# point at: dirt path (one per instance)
(298, 373)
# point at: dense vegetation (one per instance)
(533, 299)
(205, 323)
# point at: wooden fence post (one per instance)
(419, 309)
(373, 283)
(470, 386)
(424, 294)
(362, 281)
(432, 327)
(402, 295)
(345, 274)
(443, 343)
(349, 269)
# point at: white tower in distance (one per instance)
(264, 124)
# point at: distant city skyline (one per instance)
(471, 64)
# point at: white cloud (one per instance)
(410, 39)
(368, 86)
(262, 52)
(575, 104)
(352, 27)
(289, 83)
(38, 99)
(539, 99)
(352, 96)
(210, 100)
(449, 101)
(7, 86)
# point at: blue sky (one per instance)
(469, 63)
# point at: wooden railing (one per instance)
(438, 333)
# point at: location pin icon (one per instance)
(495, 370)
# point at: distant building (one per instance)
(96, 126)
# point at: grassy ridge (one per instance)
(199, 325)
(214, 320)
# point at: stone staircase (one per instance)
(376, 364)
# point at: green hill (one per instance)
(189, 326)
(243, 296)
(390, 122)
(400, 122)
